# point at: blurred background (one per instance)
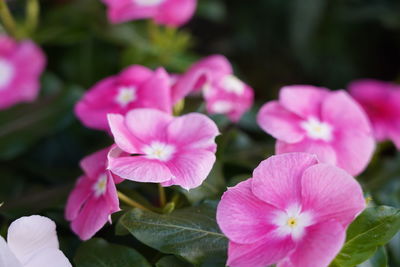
(271, 43)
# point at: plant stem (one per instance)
(32, 15)
(163, 198)
(131, 202)
(8, 21)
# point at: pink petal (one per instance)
(303, 100)
(354, 150)
(79, 195)
(122, 135)
(190, 167)
(7, 258)
(95, 163)
(137, 168)
(280, 123)
(330, 193)
(318, 247)
(277, 180)
(48, 257)
(340, 110)
(394, 134)
(193, 131)
(323, 151)
(242, 217)
(148, 124)
(263, 253)
(125, 10)
(28, 235)
(135, 74)
(176, 12)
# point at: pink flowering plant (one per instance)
(198, 133)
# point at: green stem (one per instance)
(8, 20)
(163, 198)
(131, 202)
(32, 15)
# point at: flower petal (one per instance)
(280, 123)
(176, 12)
(331, 193)
(193, 131)
(190, 168)
(48, 257)
(242, 217)
(137, 168)
(28, 235)
(95, 163)
(277, 180)
(79, 195)
(122, 135)
(303, 100)
(260, 254)
(7, 258)
(318, 247)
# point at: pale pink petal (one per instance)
(280, 123)
(354, 150)
(148, 124)
(263, 253)
(137, 168)
(48, 257)
(330, 193)
(176, 12)
(340, 110)
(28, 235)
(95, 163)
(79, 195)
(242, 217)
(303, 100)
(193, 131)
(190, 168)
(323, 151)
(7, 258)
(277, 180)
(122, 135)
(318, 247)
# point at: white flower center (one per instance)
(222, 107)
(233, 85)
(6, 73)
(317, 130)
(148, 2)
(159, 150)
(126, 95)
(292, 222)
(100, 186)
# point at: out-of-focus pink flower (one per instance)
(154, 147)
(381, 101)
(94, 197)
(329, 124)
(294, 212)
(21, 65)
(32, 242)
(223, 92)
(135, 87)
(165, 12)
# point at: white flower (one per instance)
(32, 242)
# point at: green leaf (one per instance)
(372, 229)
(171, 260)
(378, 260)
(191, 233)
(97, 252)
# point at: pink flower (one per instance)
(381, 101)
(154, 147)
(329, 124)
(294, 212)
(32, 242)
(166, 12)
(94, 197)
(223, 92)
(135, 87)
(21, 65)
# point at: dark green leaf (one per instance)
(97, 252)
(191, 233)
(372, 229)
(169, 261)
